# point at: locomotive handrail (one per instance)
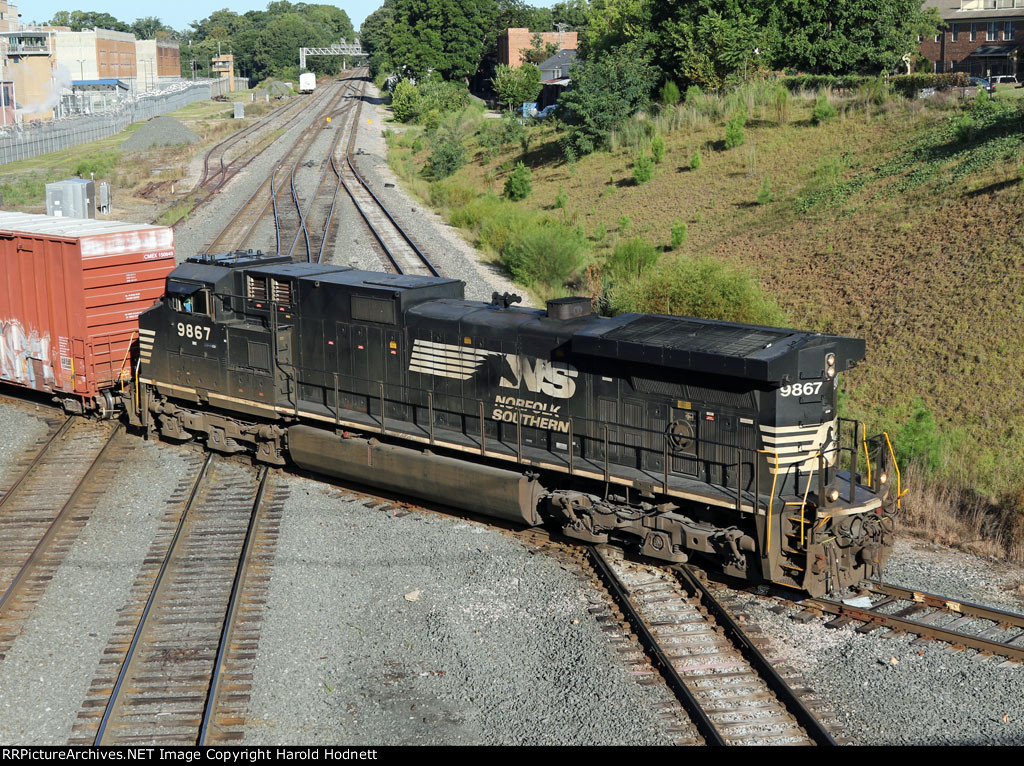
(771, 497)
(900, 492)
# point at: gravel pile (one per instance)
(275, 88)
(160, 131)
(45, 676)
(423, 629)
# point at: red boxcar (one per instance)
(71, 291)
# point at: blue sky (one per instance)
(179, 14)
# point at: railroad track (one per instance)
(401, 252)
(731, 691)
(311, 236)
(277, 194)
(44, 509)
(929, 616)
(177, 670)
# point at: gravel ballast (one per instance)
(21, 429)
(430, 630)
(896, 690)
(44, 678)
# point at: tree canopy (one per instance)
(446, 36)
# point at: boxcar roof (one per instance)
(66, 228)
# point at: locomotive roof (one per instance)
(752, 352)
(765, 354)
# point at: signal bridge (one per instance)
(353, 49)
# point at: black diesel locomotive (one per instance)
(684, 438)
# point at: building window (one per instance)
(955, 34)
(938, 37)
(974, 32)
(992, 33)
(1008, 31)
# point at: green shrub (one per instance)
(561, 199)
(780, 99)
(600, 233)
(502, 223)
(700, 287)
(694, 95)
(96, 164)
(764, 195)
(734, 134)
(543, 254)
(657, 148)
(823, 110)
(450, 193)
(643, 169)
(679, 235)
(517, 185)
(405, 101)
(919, 439)
(448, 156)
(669, 94)
(474, 213)
(695, 160)
(624, 224)
(630, 259)
(963, 128)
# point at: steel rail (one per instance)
(920, 600)
(345, 111)
(815, 730)
(359, 179)
(705, 726)
(35, 461)
(227, 631)
(115, 693)
(51, 532)
(269, 188)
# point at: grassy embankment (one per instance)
(894, 221)
(133, 175)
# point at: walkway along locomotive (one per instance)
(684, 438)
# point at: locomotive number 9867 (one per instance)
(195, 331)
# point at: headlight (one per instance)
(830, 360)
(883, 478)
(830, 372)
(833, 495)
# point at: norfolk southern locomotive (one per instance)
(683, 438)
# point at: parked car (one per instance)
(1004, 78)
(546, 111)
(981, 82)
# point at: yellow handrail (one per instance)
(120, 372)
(771, 497)
(867, 457)
(899, 480)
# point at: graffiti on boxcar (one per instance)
(24, 358)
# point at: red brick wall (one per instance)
(949, 56)
(514, 39)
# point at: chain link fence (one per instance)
(34, 138)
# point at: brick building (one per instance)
(97, 54)
(156, 60)
(514, 39)
(982, 37)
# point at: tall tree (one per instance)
(447, 36)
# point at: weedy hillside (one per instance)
(858, 213)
